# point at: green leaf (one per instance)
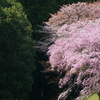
(92, 97)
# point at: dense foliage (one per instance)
(17, 51)
(75, 31)
(39, 11)
(79, 53)
(62, 22)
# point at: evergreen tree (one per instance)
(17, 51)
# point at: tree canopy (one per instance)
(17, 51)
(75, 48)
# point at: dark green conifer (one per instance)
(17, 51)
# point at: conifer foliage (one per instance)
(75, 31)
(17, 52)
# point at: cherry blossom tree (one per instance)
(75, 49)
(64, 19)
(79, 53)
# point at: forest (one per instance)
(49, 50)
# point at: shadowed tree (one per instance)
(17, 51)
